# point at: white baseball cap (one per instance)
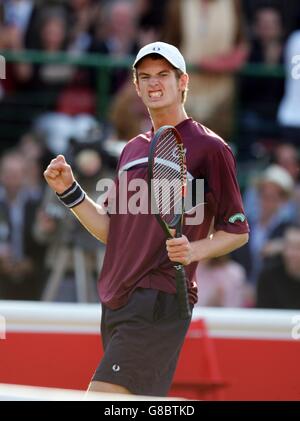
(168, 51)
(279, 176)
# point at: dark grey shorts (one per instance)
(142, 342)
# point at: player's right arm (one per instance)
(91, 215)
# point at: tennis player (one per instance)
(142, 332)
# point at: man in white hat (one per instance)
(274, 213)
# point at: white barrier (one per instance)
(29, 393)
(85, 318)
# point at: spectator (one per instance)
(289, 13)
(210, 34)
(49, 78)
(11, 39)
(35, 88)
(117, 37)
(279, 283)
(273, 215)
(35, 156)
(84, 15)
(151, 20)
(260, 96)
(127, 113)
(286, 156)
(221, 283)
(21, 258)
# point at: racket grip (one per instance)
(182, 294)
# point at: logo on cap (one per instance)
(156, 48)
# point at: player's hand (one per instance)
(180, 250)
(59, 174)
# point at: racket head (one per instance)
(167, 177)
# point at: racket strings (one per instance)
(172, 157)
(164, 203)
(168, 152)
(168, 172)
(171, 206)
(164, 143)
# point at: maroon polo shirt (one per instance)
(136, 253)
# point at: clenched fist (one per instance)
(59, 174)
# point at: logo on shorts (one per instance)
(237, 217)
(116, 368)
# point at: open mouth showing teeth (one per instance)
(156, 94)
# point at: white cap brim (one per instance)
(167, 51)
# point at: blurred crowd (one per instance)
(50, 107)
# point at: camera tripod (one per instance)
(80, 260)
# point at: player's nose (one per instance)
(153, 81)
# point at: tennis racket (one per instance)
(167, 179)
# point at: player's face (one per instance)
(157, 83)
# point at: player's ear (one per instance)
(183, 81)
(137, 88)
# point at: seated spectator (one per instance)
(260, 96)
(286, 156)
(36, 158)
(279, 282)
(11, 39)
(34, 88)
(49, 78)
(21, 257)
(117, 37)
(84, 16)
(221, 283)
(289, 13)
(275, 188)
(127, 113)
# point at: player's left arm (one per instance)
(217, 244)
(230, 228)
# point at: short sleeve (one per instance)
(224, 190)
